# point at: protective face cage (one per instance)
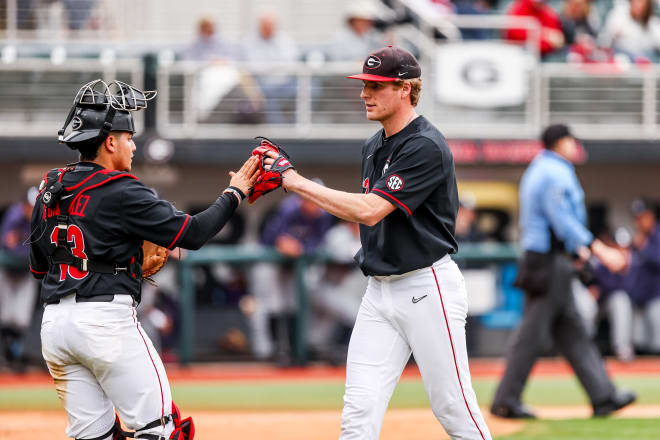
(100, 108)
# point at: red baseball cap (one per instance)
(389, 64)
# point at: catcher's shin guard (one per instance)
(183, 429)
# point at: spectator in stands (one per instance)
(474, 7)
(336, 302)
(632, 29)
(18, 290)
(552, 37)
(208, 46)
(437, 12)
(581, 24)
(264, 50)
(79, 12)
(579, 20)
(295, 228)
(359, 35)
(611, 293)
(25, 14)
(645, 282)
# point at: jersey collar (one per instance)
(411, 127)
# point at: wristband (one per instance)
(238, 190)
(234, 192)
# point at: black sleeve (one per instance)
(38, 261)
(146, 217)
(206, 224)
(413, 174)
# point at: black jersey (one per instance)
(109, 214)
(414, 171)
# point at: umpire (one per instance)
(552, 223)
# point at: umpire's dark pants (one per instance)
(548, 317)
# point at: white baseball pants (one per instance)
(422, 312)
(101, 360)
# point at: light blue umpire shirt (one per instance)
(551, 197)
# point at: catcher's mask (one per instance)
(100, 108)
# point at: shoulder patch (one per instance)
(395, 182)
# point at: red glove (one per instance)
(271, 179)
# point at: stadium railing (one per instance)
(492, 253)
(226, 101)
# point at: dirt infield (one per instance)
(409, 424)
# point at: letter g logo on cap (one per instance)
(373, 62)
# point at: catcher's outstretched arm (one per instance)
(206, 224)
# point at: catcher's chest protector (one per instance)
(70, 224)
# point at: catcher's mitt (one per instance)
(154, 259)
(271, 179)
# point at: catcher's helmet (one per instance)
(100, 108)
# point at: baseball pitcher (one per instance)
(416, 300)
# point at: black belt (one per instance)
(86, 299)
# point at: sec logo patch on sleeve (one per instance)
(394, 183)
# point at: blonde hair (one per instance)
(415, 88)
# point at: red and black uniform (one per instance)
(107, 215)
(414, 171)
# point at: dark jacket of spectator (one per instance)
(645, 270)
(578, 19)
(15, 230)
(294, 219)
(608, 282)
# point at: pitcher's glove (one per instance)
(154, 258)
(271, 179)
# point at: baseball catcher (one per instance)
(89, 224)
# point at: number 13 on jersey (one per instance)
(77, 245)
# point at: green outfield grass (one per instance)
(283, 395)
(296, 395)
(588, 429)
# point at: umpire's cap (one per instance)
(553, 133)
(100, 108)
(389, 64)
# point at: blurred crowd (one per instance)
(627, 305)
(251, 80)
(622, 310)
(581, 31)
(587, 31)
(572, 30)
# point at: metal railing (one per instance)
(488, 252)
(312, 99)
(36, 94)
(244, 255)
(320, 103)
(605, 104)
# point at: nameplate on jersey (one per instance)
(76, 195)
